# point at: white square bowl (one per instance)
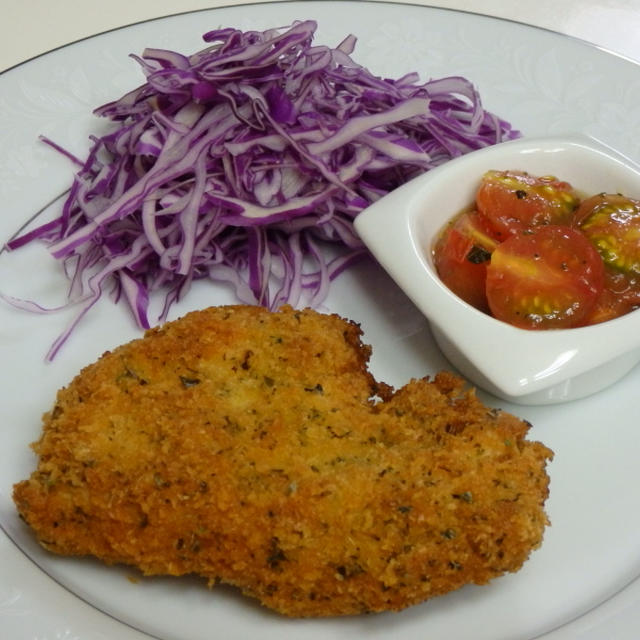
(518, 365)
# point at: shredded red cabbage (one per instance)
(246, 163)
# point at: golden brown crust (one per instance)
(256, 449)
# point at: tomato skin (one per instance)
(461, 256)
(512, 201)
(549, 277)
(612, 223)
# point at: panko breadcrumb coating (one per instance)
(256, 449)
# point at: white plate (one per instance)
(538, 80)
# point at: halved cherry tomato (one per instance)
(620, 295)
(547, 278)
(511, 201)
(461, 256)
(612, 223)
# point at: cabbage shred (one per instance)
(246, 163)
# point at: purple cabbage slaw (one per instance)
(246, 163)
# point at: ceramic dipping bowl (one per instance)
(518, 365)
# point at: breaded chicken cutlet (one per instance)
(256, 449)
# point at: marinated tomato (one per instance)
(547, 278)
(513, 201)
(620, 295)
(531, 253)
(612, 223)
(461, 258)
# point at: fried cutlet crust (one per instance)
(255, 449)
